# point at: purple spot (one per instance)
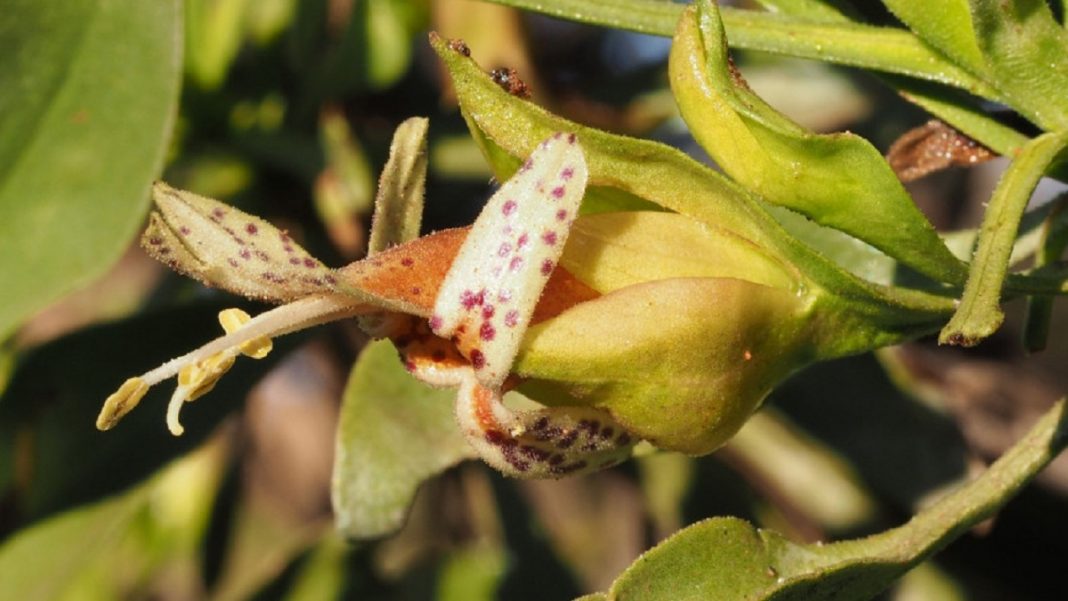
(287, 248)
(330, 280)
(407, 261)
(478, 360)
(218, 214)
(534, 453)
(504, 249)
(251, 229)
(504, 296)
(262, 256)
(183, 230)
(309, 263)
(547, 267)
(522, 241)
(561, 215)
(471, 300)
(509, 207)
(284, 237)
(567, 173)
(558, 192)
(527, 165)
(488, 311)
(232, 262)
(567, 440)
(164, 251)
(515, 264)
(487, 332)
(511, 318)
(549, 237)
(270, 277)
(570, 138)
(557, 135)
(155, 241)
(245, 254)
(436, 322)
(416, 290)
(294, 260)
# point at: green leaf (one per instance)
(815, 10)
(979, 314)
(40, 563)
(399, 201)
(647, 172)
(949, 29)
(886, 49)
(838, 180)
(85, 113)
(508, 127)
(395, 432)
(727, 558)
(1027, 54)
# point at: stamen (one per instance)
(199, 370)
(298, 315)
(121, 402)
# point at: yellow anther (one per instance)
(121, 402)
(232, 320)
(200, 378)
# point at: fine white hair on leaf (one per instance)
(224, 247)
(489, 294)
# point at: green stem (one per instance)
(974, 502)
(887, 49)
(979, 314)
(1040, 308)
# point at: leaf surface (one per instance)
(85, 115)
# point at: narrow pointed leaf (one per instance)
(949, 29)
(886, 49)
(838, 180)
(979, 314)
(1027, 54)
(508, 127)
(399, 200)
(815, 10)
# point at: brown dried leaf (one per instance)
(932, 147)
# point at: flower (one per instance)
(628, 326)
